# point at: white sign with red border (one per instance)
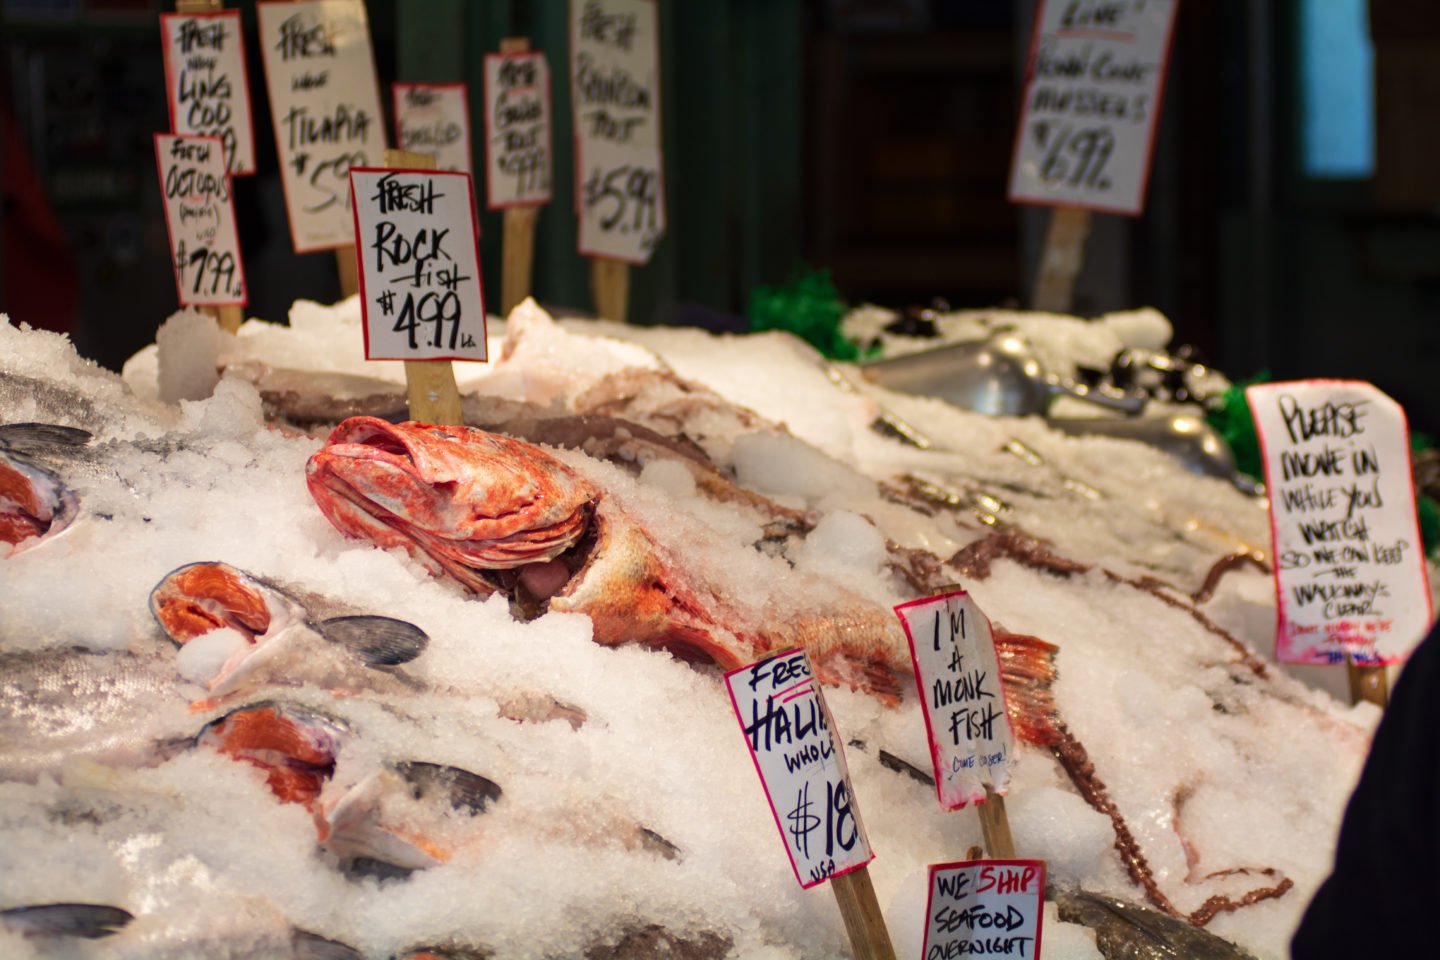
(200, 220)
(517, 129)
(325, 104)
(615, 92)
(1349, 564)
(417, 245)
(985, 908)
(1093, 87)
(434, 118)
(958, 677)
(801, 766)
(207, 86)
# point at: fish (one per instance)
(271, 638)
(117, 707)
(500, 515)
(88, 921)
(1125, 930)
(296, 747)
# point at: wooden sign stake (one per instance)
(995, 826)
(518, 254)
(1368, 683)
(429, 384)
(1061, 259)
(230, 316)
(610, 286)
(865, 924)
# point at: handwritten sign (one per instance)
(517, 129)
(984, 908)
(434, 118)
(325, 104)
(615, 89)
(1349, 568)
(209, 92)
(417, 245)
(801, 766)
(200, 216)
(958, 676)
(1092, 98)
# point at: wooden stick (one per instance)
(869, 938)
(429, 384)
(610, 286)
(348, 269)
(1368, 683)
(1061, 260)
(518, 253)
(995, 826)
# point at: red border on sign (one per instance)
(930, 894)
(1281, 622)
(360, 262)
(839, 750)
(490, 204)
(1137, 210)
(920, 688)
(172, 102)
(170, 237)
(274, 120)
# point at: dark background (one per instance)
(869, 137)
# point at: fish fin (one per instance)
(461, 788)
(39, 438)
(312, 946)
(376, 641)
(869, 674)
(88, 920)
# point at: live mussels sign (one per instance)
(801, 766)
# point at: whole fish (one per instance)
(1125, 930)
(498, 514)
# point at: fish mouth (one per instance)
(465, 503)
(34, 504)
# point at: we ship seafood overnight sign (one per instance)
(972, 745)
(801, 766)
(1349, 565)
(417, 245)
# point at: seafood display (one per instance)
(283, 674)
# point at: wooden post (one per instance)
(610, 286)
(995, 826)
(869, 939)
(429, 384)
(1061, 259)
(518, 252)
(1368, 683)
(230, 316)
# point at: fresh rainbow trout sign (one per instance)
(971, 743)
(1349, 566)
(801, 766)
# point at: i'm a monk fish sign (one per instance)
(958, 675)
(1349, 566)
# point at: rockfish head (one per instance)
(462, 501)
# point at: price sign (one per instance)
(417, 245)
(200, 218)
(325, 103)
(517, 129)
(205, 78)
(958, 676)
(615, 89)
(434, 118)
(1092, 98)
(801, 766)
(1349, 566)
(985, 908)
